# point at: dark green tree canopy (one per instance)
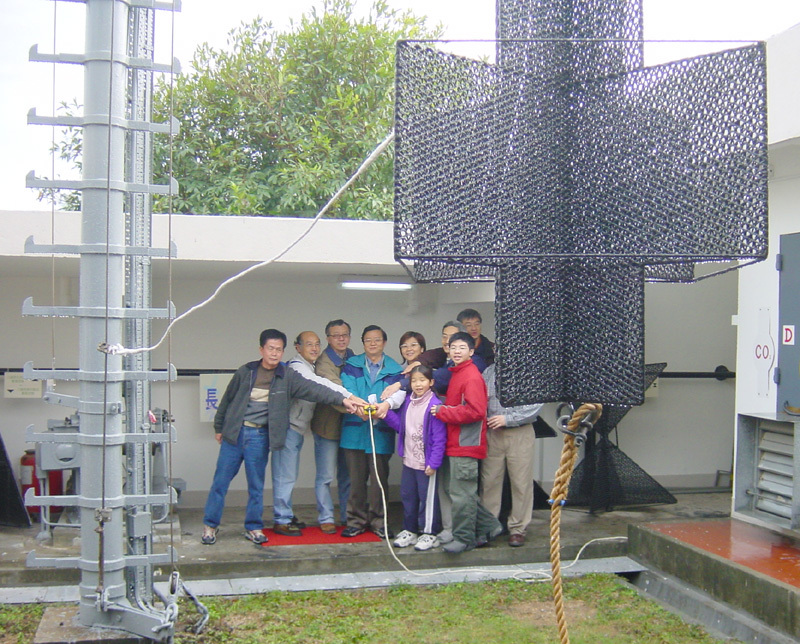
(277, 122)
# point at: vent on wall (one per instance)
(775, 468)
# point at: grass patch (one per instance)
(18, 622)
(601, 609)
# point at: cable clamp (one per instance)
(110, 349)
(585, 423)
(102, 515)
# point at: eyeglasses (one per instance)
(312, 345)
(373, 341)
(339, 336)
(410, 345)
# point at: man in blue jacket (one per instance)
(368, 374)
(252, 418)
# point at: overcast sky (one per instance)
(28, 22)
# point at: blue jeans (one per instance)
(343, 481)
(252, 447)
(329, 459)
(285, 465)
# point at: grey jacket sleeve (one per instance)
(304, 370)
(300, 387)
(516, 416)
(225, 401)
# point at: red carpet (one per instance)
(313, 536)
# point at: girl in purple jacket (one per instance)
(421, 442)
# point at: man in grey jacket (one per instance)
(286, 462)
(253, 418)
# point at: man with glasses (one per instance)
(286, 462)
(326, 425)
(253, 418)
(365, 375)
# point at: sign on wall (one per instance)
(212, 386)
(15, 386)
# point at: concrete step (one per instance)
(747, 567)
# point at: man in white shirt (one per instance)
(510, 446)
(286, 462)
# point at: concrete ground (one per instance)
(233, 557)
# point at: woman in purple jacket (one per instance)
(421, 443)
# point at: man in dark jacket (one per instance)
(473, 323)
(252, 419)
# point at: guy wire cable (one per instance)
(53, 198)
(100, 513)
(170, 147)
(177, 583)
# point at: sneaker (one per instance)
(489, 536)
(427, 542)
(496, 531)
(256, 536)
(352, 531)
(454, 547)
(383, 533)
(405, 539)
(445, 536)
(287, 530)
(209, 537)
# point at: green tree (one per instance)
(278, 121)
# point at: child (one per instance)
(421, 444)
(464, 412)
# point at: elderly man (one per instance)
(368, 375)
(326, 424)
(286, 462)
(253, 418)
(510, 440)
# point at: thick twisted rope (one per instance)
(569, 454)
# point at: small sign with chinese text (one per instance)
(15, 386)
(212, 386)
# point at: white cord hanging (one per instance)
(120, 350)
(543, 575)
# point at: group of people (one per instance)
(439, 407)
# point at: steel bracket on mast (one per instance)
(29, 373)
(99, 249)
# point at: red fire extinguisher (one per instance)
(28, 479)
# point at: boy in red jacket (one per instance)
(464, 412)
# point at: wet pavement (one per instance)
(233, 557)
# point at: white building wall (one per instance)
(682, 437)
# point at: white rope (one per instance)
(120, 350)
(544, 573)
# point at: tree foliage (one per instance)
(277, 122)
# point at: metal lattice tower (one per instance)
(570, 173)
(115, 445)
